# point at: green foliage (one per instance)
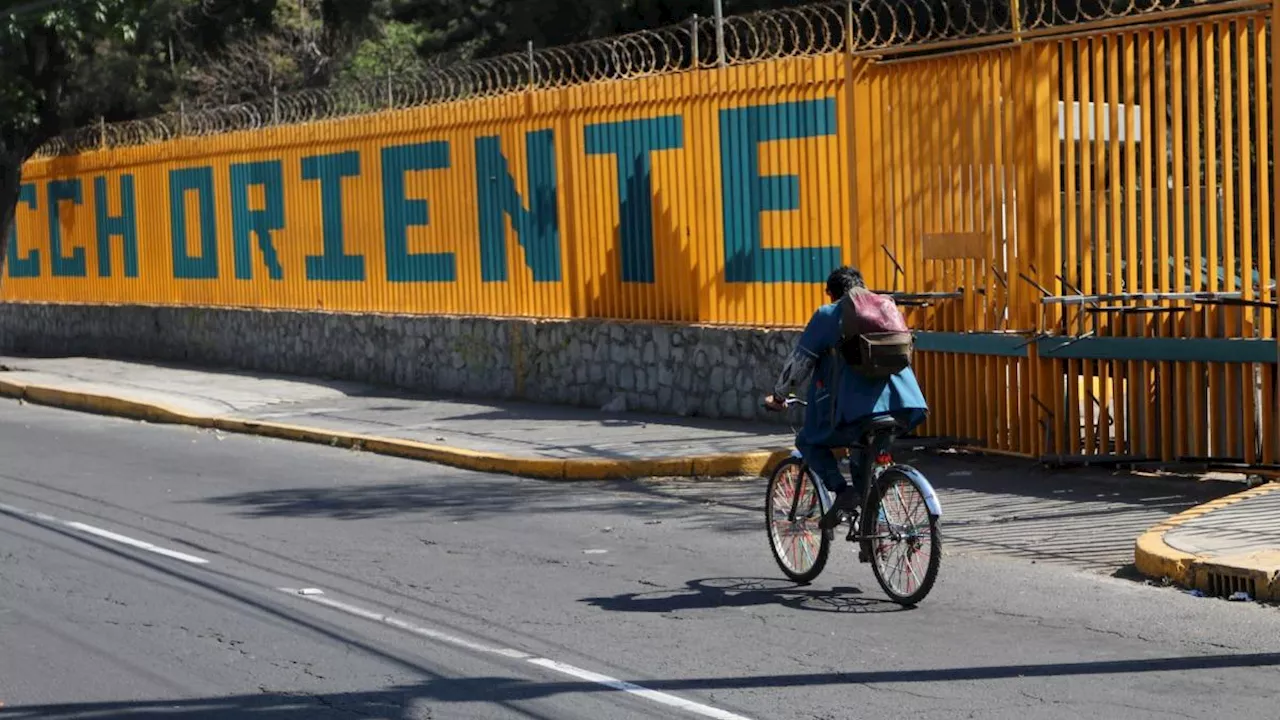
(67, 62)
(391, 50)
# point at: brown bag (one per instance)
(874, 338)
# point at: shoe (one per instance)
(846, 502)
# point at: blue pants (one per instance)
(822, 460)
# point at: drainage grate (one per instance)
(1224, 585)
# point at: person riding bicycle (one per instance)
(856, 397)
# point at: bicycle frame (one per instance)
(875, 459)
(870, 472)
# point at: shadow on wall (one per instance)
(678, 285)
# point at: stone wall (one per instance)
(714, 372)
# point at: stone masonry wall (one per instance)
(716, 372)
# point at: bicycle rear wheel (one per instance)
(906, 545)
(799, 546)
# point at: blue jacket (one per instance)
(859, 397)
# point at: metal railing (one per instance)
(856, 26)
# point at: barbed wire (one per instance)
(864, 26)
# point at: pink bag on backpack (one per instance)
(874, 338)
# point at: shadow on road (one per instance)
(473, 497)
(423, 700)
(719, 593)
(1084, 519)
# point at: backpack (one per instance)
(874, 338)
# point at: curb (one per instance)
(728, 465)
(1213, 575)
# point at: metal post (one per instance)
(1015, 11)
(693, 41)
(533, 70)
(275, 106)
(391, 97)
(848, 26)
(720, 55)
(1275, 189)
(102, 132)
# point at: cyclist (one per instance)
(840, 400)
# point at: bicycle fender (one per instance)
(930, 496)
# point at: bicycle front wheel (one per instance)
(799, 546)
(906, 545)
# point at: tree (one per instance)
(467, 29)
(54, 56)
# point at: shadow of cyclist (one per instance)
(718, 593)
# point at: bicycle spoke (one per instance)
(808, 551)
(917, 504)
(912, 569)
(897, 490)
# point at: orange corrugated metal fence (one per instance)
(1080, 224)
(623, 200)
(1062, 296)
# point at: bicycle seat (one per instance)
(882, 424)
(875, 427)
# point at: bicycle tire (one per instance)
(793, 470)
(888, 480)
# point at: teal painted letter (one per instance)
(56, 192)
(537, 228)
(401, 213)
(334, 264)
(123, 226)
(746, 194)
(632, 141)
(205, 265)
(27, 266)
(246, 222)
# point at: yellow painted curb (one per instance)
(102, 404)
(756, 463)
(1156, 559)
(602, 469)
(753, 463)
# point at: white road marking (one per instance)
(27, 513)
(397, 623)
(123, 540)
(554, 665)
(106, 535)
(654, 695)
(316, 595)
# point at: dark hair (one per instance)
(842, 280)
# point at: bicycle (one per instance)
(885, 483)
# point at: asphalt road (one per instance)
(449, 594)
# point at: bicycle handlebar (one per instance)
(793, 401)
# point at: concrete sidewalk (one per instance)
(519, 438)
(1224, 547)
